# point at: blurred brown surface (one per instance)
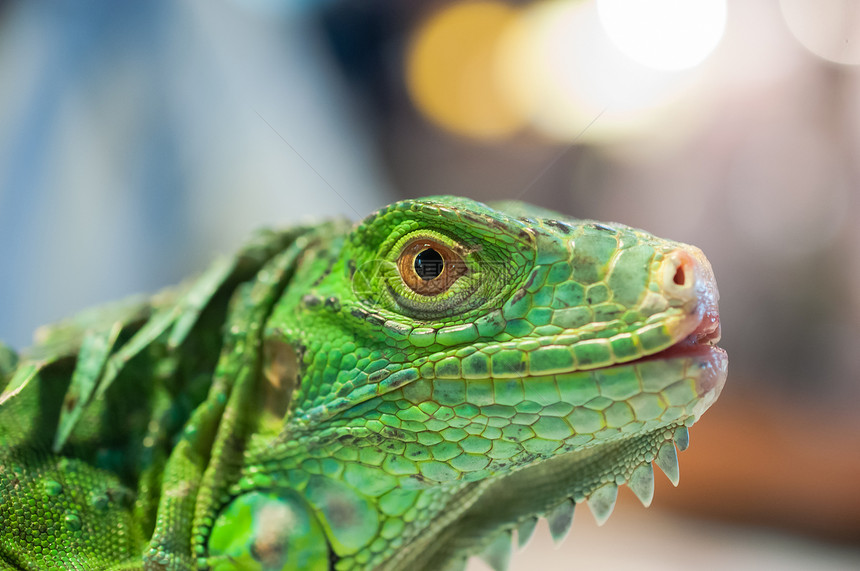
(758, 457)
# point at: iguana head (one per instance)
(447, 361)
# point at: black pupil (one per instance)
(429, 264)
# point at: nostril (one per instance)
(680, 273)
(687, 281)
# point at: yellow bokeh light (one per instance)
(451, 73)
(485, 70)
(667, 35)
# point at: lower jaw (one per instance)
(521, 495)
(575, 475)
(710, 363)
(687, 376)
(538, 491)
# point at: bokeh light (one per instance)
(450, 72)
(486, 70)
(830, 30)
(562, 71)
(668, 35)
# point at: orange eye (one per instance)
(428, 267)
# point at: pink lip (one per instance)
(711, 361)
(708, 330)
(700, 347)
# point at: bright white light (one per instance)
(830, 30)
(562, 71)
(664, 34)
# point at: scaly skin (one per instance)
(339, 398)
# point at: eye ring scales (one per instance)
(428, 267)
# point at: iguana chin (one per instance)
(400, 394)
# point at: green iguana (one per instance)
(400, 394)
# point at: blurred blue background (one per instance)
(138, 140)
(134, 144)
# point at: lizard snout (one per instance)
(688, 281)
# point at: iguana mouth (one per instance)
(700, 348)
(703, 339)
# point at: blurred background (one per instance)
(138, 140)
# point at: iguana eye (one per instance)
(428, 267)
